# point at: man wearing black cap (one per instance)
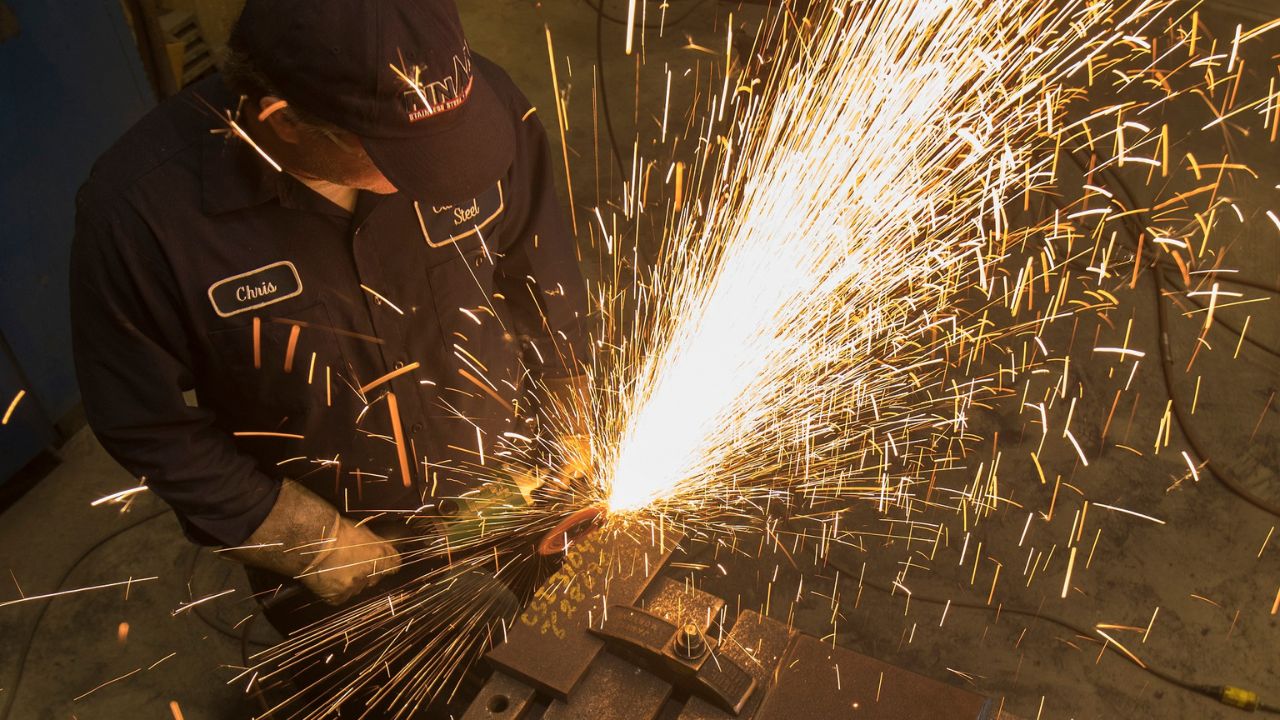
(350, 249)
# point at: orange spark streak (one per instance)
(12, 404)
(388, 377)
(293, 346)
(393, 408)
(264, 433)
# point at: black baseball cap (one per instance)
(396, 73)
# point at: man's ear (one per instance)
(273, 112)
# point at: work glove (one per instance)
(304, 537)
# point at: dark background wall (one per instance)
(70, 82)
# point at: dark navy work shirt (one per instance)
(197, 266)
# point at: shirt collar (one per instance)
(234, 177)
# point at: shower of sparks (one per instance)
(795, 324)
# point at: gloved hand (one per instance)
(306, 538)
(356, 559)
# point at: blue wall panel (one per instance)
(70, 83)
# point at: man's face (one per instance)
(334, 156)
(338, 157)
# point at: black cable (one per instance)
(1166, 362)
(604, 91)
(1184, 427)
(1246, 282)
(601, 16)
(1219, 693)
(1166, 356)
(26, 648)
(1238, 332)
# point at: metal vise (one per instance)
(607, 638)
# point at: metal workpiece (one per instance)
(681, 654)
(669, 635)
(502, 698)
(549, 646)
(610, 636)
(613, 689)
(690, 645)
(679, 603)
(756, 644)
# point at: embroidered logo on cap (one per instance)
(254, 289)
(430, 92)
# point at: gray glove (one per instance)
(304, 537)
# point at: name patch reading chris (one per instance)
(256, 288)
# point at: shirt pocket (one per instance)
(451, 231)
(277, 362)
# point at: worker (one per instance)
(348, 248)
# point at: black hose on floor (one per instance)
(6, 705)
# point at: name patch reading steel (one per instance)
(256, 288)
(447, 224)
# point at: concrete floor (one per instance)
(1203, 567)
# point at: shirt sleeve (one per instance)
(539, 272)
(133, 364)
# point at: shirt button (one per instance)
(399, 364)
(417, 427)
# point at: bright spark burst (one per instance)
(857, 195)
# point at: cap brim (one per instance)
(458, 154)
